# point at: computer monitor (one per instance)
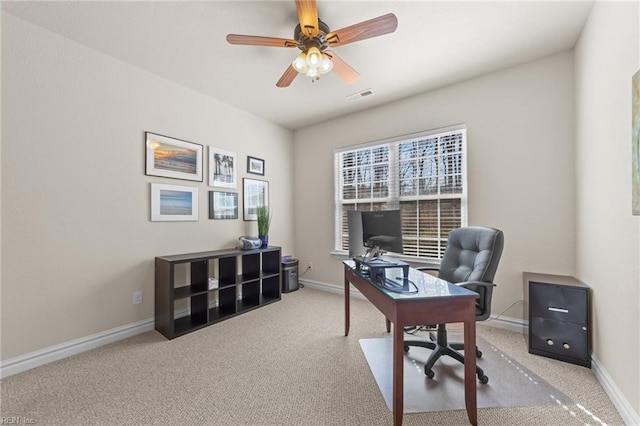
(354, 227)
(382, 229)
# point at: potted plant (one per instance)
(264, 222)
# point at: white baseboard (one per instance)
(507, 323)
(54, 353)
(628, 414)
(331, 288)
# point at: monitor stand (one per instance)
(377, 272)
(362, 260)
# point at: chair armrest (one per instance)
(483, 304)
(427, 268)
(471, 284)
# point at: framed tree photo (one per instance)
(255, 166)
(172, 158)
(256, 194)
(223, 205)
(173, 203)
(222, 168)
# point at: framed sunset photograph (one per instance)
(173, 158)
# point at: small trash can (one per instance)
(289, 275)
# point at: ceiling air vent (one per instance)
(360, 95)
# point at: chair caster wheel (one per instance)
(478, 353)
(429, 373)
(406, 348)
(483, 379)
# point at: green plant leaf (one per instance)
(264, 220)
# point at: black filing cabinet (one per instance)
(559, 318)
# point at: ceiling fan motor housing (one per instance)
(305, 42)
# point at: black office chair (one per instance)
(470, 260)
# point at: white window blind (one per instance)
(423, 175)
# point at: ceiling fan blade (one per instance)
(249, 40)
(308, 17)
(342, 69)
(384, 24)
(289, 75)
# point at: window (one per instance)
(423, 175)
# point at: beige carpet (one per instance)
(287, 363)
(510, 383)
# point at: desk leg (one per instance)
(398, 374)
(470, 371)
(346, 304)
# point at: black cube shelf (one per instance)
(246, 280)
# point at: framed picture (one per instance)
(255, 166)
(635, 144)
(223, 205)
(173, 202)
(256, 193)
(173, 158)
(222, 168)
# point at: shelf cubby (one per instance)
(251, 293)
(271, 287)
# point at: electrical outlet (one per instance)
(309, 265)
(137, 297)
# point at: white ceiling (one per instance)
(436, 44)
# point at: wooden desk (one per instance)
(436, 302)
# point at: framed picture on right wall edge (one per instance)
(256, 194)
(635, 143)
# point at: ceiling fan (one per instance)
(314, 38)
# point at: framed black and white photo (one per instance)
(223, 205)
(256, 194)
(173, 158)
(255, 165)
(173, 203)
(222, 168)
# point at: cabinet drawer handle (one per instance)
(564, 311)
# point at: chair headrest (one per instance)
(472, 254)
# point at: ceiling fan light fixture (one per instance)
(314, 57)
(326, 64)
(312, 72)
(312, 63)
(300, 63)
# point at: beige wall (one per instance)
(520, 168)
(608, 255)
(76, 235)
(77, 239)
